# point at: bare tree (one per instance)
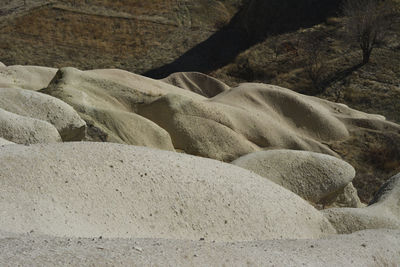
(367, 23)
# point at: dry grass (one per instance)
(132, 35)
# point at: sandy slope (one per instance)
(367, 248)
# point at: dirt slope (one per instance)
(135, 35)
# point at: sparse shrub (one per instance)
(312, 49)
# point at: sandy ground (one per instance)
(367, 248)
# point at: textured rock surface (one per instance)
(383, 211)
(4, 142)
(198, 127)
(112, 190)
(253, 116)
(197, 82)
(235, 122)
(348, 197)
(106, 100)
(366, 248)
(43, 107)
(313, 176)
(26, 77)
(26, 130)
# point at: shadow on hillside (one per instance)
(341, 75)
(215, 52)
(255, 21)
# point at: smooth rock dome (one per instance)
(382, 212)
(26, 130)
(313, 176)
(112, 190)
(26, 77)
(197, 82)
(46, 108)
(237, 121)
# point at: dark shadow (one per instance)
(256, 20)
(341, 75)
(218, 50)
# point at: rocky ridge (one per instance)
(87, 195)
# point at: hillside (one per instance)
(133, 35)
(153, 37)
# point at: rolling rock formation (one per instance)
(197, 82)
(318, 178)
(46, 108)
(26, 77)
(101, 201)
(233, 123)
(25, 130)
(132, 191)
(28, 117)
(383, 211)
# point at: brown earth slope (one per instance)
(135, 35)
(156, 37)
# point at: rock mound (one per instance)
(197, 82)
(107, 99)
(315, 177)
(26, 77)
(249, 117)
(383, 211)
(198, 127)
(26, 130)
(46, 108)
(235, 122)
(111, 190)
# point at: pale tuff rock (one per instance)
(4, 142)
(383, 211)
(111, 190)
(235, 122)
(313, 176)
(197, 82)
(26, 130)
(26, 77)
(43, 107)
(107, 99)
